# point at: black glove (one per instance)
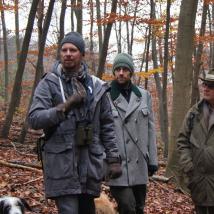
(75, 100)
(152, 169)
(114, 168)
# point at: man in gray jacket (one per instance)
(74, 111)
(136, 138)
(195, 145)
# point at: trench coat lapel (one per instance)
(121, 103)
(133, 104)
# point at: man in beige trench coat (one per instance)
(195, 145)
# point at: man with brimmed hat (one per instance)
(73, 109)
(195, 145)
(136, 137)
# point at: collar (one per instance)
(115, 91)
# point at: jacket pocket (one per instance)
(145, 111)
(96, 164)
(59, 161)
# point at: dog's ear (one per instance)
(26, 205)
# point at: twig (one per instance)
(37, 166)
(19, 166)
(29, 182)
(21, 153)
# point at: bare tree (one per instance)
(197, 65)
(100, 34)
(211, 29)
(91, 4)
(182, 78)
(20, 70)
(4, 29)
(72, 14)
(16, 10)
(107, 34)
(165, 76)
(39, 65)
(157, 78)
(118, 31)
(61, 24)
(17, 28)
(78, 12)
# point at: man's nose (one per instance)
(120, 70)
(68, 52)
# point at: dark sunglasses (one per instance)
(208, 85)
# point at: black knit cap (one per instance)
(76, 39)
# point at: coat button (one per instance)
(136, 140)
(137, 161)
(135, 120)
(128, 160)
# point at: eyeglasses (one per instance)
(209, 85)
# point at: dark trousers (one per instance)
(204, 210)
(75, 204)
(130, 200)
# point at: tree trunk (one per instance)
(17, 28)
(118, 31)
(147, 50)
(157, 76)
(72, 15)
(165, 76)
(132, 27)
(93, 65)
(40, 15)
(17, 39)
(197, 65)
(144, 51)
(182, 79)
(20, 70)
(211, 29)
(99, 25)
(61, 25)
(79, 16)
(39, 65)
(104, 51)
(6, 78)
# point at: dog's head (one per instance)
(13, 205)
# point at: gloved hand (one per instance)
(114, 168)
(75, 100)
(152, 169)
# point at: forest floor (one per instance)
(21, 175)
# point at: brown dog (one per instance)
(104, 206)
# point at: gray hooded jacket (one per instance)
(68, 168)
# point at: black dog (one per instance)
(13, 205)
